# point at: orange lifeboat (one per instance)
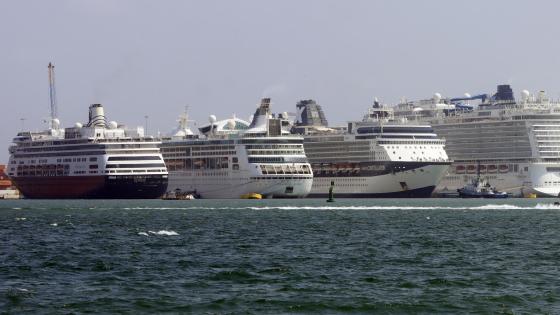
(491, 168)
(471, 169)
(503, 168)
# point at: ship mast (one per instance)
(52, 95)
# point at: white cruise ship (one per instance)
(515, 145)
(96, 160)
(375, 157)
(233, 159)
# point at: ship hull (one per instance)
(416, 182)
(233, 187)
(95, 187)
(424, 192)
(541, 179)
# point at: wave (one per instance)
(21, 219)
(164, 232)
(175, 208)
(499, 207)
(547, 206)
(539, 206)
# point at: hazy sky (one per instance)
(220, 57)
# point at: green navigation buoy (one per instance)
(331, 194)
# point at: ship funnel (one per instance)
(309, 113)
(261, 114)
(96, 116)
(265, 102)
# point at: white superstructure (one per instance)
(234, 158)
(375, 157)
(513, 144)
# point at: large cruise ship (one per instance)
(375, 157)
(232, 158)
(96, 160)
(515, 145)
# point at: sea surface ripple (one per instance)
(381, 256)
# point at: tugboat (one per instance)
(480, 188)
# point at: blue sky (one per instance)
(220, 57)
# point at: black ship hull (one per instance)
(424, 192)
(94, 187)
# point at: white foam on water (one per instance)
(164, 232)
(54, 224)
(547, 206)
(16, 208)
(498, 207)
(21, 219)
(332, 207)
(352, 208)
(143, 233)
(176, 208)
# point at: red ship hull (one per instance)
(104, 187)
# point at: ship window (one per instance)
(133, 158)
(93, 159)
(235, 166)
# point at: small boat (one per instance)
(480, 188)
(9, 194)
(177, 194)
(471, 169)
(251, 196)
(492, 169)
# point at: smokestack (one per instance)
(96, 116)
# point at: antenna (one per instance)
(52, 93)
(146, 125)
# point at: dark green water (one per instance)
(280, 256)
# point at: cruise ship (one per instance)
(378, 156)
(515, 145)
(231, 158)
(97, 160)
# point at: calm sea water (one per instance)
(280, 256)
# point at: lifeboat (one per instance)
(4, 184)
(491, 168)
(471, 169)
(503, 168)
(482, 169)
(460, 169)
